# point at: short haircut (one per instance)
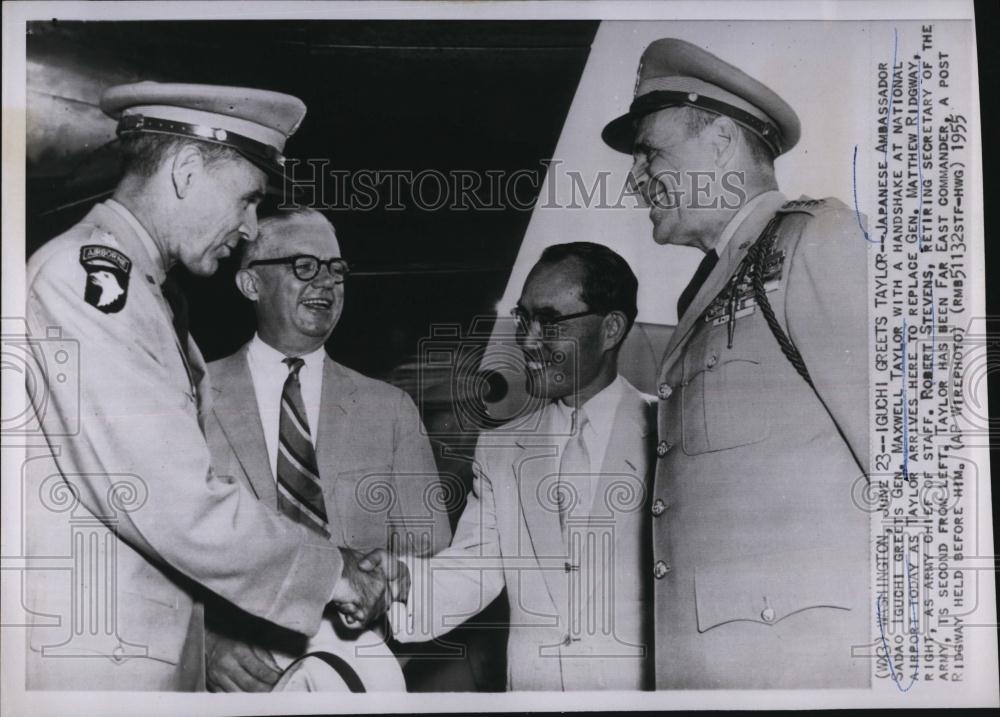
(608, 284)
(696, 119)
(281, 224)
(143, 152)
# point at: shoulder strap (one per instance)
(757, 257)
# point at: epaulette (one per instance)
(102, 236)
(812, 206)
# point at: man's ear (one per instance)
(615, 328)
(187, 164)
(247, 281)
(725, 137)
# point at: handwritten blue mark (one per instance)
(892, 90)
(913, 631)
(920, 144)
(888, 133)
(906, 412)
(857, 210)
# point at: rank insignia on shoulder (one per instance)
(107, 277)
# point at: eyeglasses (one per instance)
(546, 322)
(306, 267)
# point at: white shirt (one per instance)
(268, 373)
(773, 195)
(600, 410)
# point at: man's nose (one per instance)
(531, 336)
(325, 277)
(249, 226)
(640, 178)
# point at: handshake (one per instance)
(368, 585)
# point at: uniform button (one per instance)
(660, 570)
(659, 507)
(662, 448)
(712, 360)
(767, 614)
(664, 391)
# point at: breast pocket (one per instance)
(722, 394)
(806, 584)
(362, 499)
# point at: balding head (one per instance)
(294, 315)
(277, 233)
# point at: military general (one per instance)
(760, 556)
(129, 443)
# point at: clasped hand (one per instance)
(368, 585)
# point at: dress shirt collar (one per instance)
(773, 195)
(599, 409)
(156, 255)
(264, 355)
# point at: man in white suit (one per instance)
(557, 512)
(376, 474)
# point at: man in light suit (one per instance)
(557, 512)
(760, 552)
(127, 491)
(377, 480)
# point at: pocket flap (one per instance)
(769, 588)
(142, 627)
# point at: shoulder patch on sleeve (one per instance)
(108, 270)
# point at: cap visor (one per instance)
(619, 134)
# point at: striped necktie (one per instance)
(300, 495)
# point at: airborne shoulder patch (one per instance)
(107, 277)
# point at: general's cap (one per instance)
(673, 73)
(256, 123)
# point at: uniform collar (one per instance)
(772, 196)
(157, 257)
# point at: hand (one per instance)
(237, 666)
(360, 596)
(396, 573)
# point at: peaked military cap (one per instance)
(256, 123)
(674, 73)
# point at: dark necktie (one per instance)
(179, 308)
(300, 495)
(708, 263)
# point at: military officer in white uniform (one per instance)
(196, 159)
(759, 565)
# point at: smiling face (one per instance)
(679, 177)
(219, 209)
(294, 316)
(569, 357)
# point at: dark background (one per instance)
(382, 95)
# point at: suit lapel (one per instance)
(737, 248)
(535, 468)
(235, 407)
(626, 452)
(336, 403)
